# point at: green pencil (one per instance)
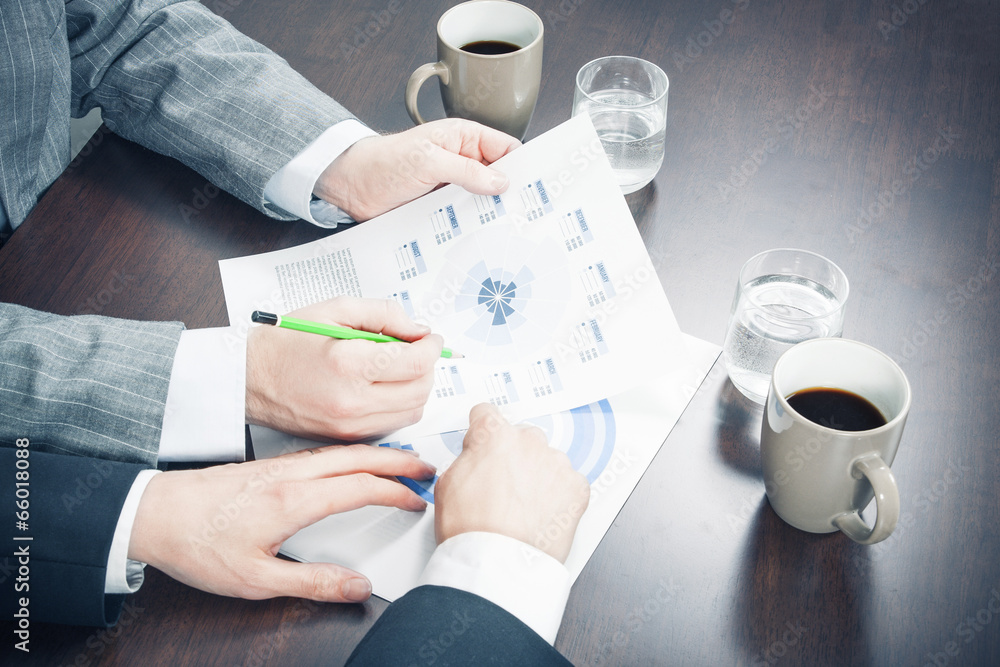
(331, 330)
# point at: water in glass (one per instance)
(632, 133)
(773, 313)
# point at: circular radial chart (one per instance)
(585, 434)
(506, 294)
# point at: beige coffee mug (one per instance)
(496, 89)
(819, 478)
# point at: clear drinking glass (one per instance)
(783, 297)
(626, 98)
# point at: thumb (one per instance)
(474, 176)
(323, 582)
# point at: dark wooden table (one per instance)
(867, 132)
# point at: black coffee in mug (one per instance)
(837, 408)
(490, 47)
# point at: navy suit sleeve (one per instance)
(446, 626)
(73, 507)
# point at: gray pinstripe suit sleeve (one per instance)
(168, 74)
(86, 385)
(179, 80)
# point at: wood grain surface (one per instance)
(865, 131)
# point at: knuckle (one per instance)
(471, 169)
(416, 415)
(342, 361)
(286, 497)
(421, 366)
(364, 483)
(322, 585)
(534, 435)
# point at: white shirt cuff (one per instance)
(206, 402)
(291, 187)
(524, 581)
(124, 575)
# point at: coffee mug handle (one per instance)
(417, 79)
(886, 502)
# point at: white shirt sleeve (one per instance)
(291, 187)
(206, 401)
(123, 575)
(526, 582)
(203, 421)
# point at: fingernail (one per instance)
(499, 181)
(357, 590)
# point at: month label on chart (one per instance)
(500, 388)
(596, 284)
(574, 230)
(409, 261)
(489, 208)
(535, 200)
(544, 377)
(402, 297)
(448, 382)
(445, 224)
(588, 341)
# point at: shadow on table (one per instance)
(787, 581)
(737, 432)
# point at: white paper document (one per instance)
(549, 293)
(611, 442)
(547, 290)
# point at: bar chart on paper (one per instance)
(542, 289)
(548, 292)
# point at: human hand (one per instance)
(322, 388)
(378, 174)
(509, 481)
(218, 529)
